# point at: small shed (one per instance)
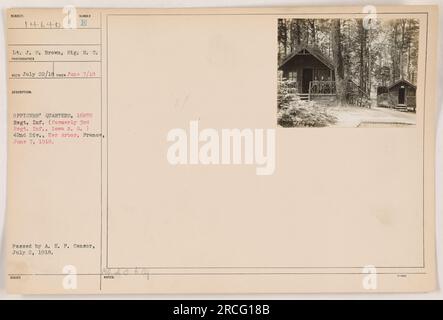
(399, 95)
(311, 71)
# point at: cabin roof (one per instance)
(402, 81)
(314, 52)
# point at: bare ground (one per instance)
(350, 116)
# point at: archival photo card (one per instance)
(212, 151)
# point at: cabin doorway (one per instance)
(306, 79)
(401, 95)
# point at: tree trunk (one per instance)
(402, 48)
(314, 34)
(362, 55)
(338, 61)
(283, 36)
(298, 32)
(394, 55)
(368, 83)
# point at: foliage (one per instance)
(293, 112)
(304, 114)
(285, 92)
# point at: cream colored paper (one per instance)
(94, 206)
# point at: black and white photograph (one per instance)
(203, 157)
(347, 72)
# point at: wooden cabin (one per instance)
(311, 71)
(400, 95)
